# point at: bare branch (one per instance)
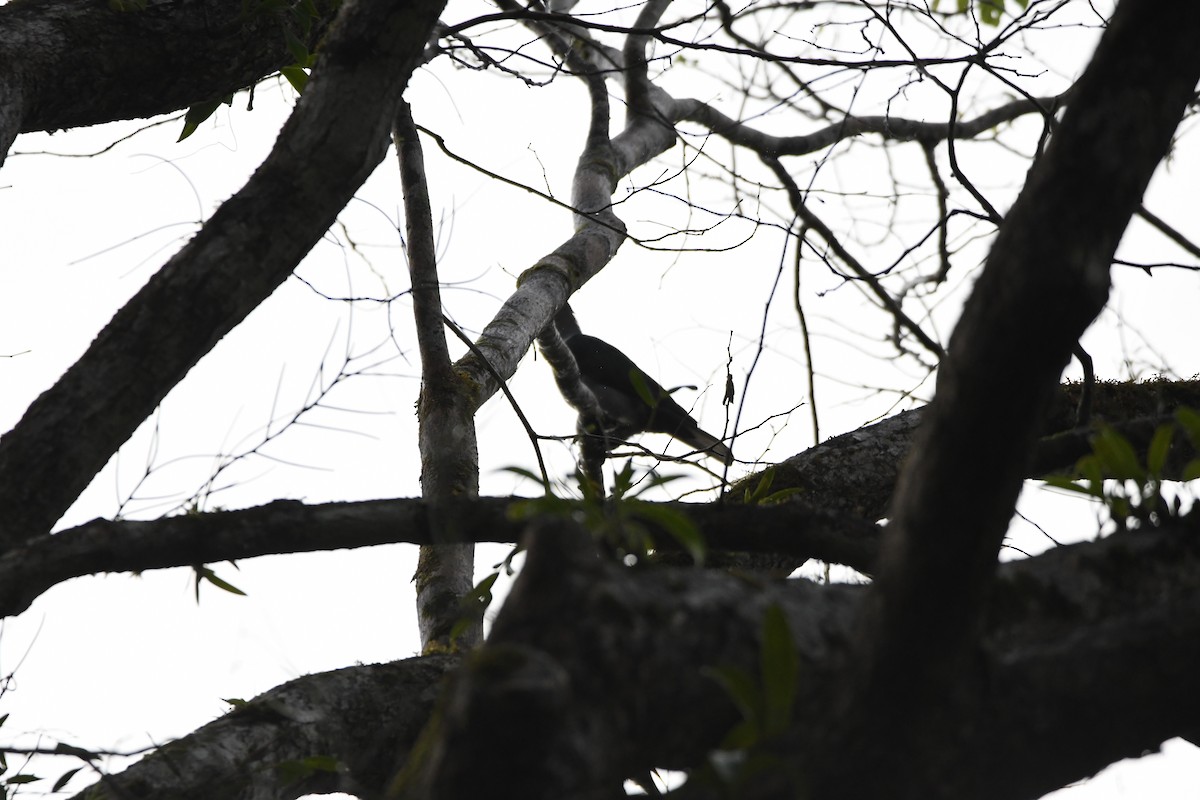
(449, 451)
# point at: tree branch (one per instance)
(331, 143)
(449, 451)
(73, 63)
(889, 128)
(357, 723)
(595, 714)
(1046, 279)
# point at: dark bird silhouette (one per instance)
(631, 401)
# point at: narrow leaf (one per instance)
(740, 687)
(297, 77)
(1160, 445)
(780, 671)
(64, 779)
(195, 115)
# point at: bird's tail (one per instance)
(706, 443)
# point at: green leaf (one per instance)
(1190, 420)
(200, 112)
(474, 605)
(298, 78)
(780, 672)
(297, 770)
(1068, 483)
(1191, 470)
(23, 777)
(678, 525)
(760, 489)
(740, 687)
(741, 736)
(1160, 445)
(204, 573)
(297, 48)
(64, 779)
(1116, 456)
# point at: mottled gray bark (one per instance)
(341, 731)
(1064, 679)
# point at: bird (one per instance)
(630, 400)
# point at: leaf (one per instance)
(1160, 445)
(1189, 418)
(1116, 456)
(760, 489)
(474, 604)
(780, 672)
(204, 573)
(623, 480)
(23, 777)
(297, 770)
(1068, 483)
(740, 687)
(297, 48)
(71, 750)
(679, 526)
(200, 112)
(1191, 471)
(741, 736)
(64, 778)
(298, 78)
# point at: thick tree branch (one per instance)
(363, 719)
(331, 143)
(855, 474)
(72, 63)
(288, 526)
(644, 696)
(1046, 279)
(849, 478)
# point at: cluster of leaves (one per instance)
(761, 495)
(766, 702)
(1130, 488)
(623, 523)
(987, 11)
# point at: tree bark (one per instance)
(449, 451)
(70, 63)
(327, 149)
(1066, 656)
(844, 485)
(1045, 280)
(340, 731)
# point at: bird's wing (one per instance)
(634, 401)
